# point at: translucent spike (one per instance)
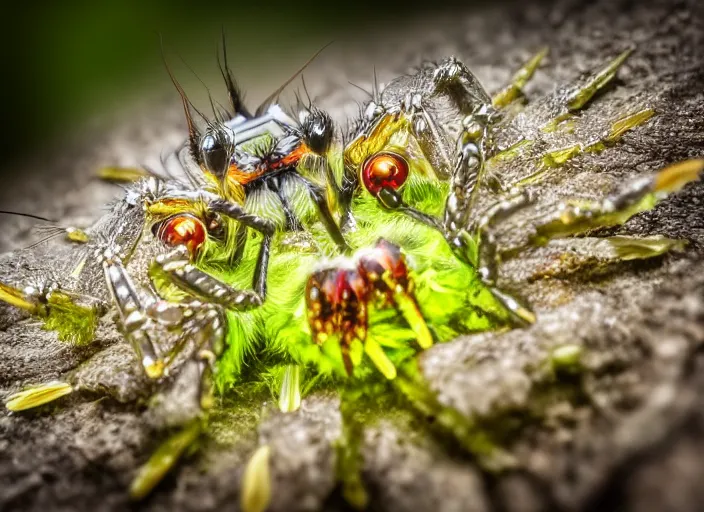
(122, 174)
(16, 298)
(514, 90)
(581, 96)
(574, 217)
(290, 396)
(256, 482)
(163, 459)
(674, 177)
(629, 248)
(628, 122)
(409, 308)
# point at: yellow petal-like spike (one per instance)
(379, 358)
(122, 174)
(409, 308)
(673, 177)
(39, 395)
(583, 94)
(628, 122)
(256, 482)
(16, 298)
(77, 235)
(632, 248)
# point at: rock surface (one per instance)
(623, 433)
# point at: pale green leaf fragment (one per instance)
(256, 482)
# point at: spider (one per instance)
(426, 169)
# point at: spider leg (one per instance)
(391, 199)
(206, 331)
(472, 147)
(482, 252)
(199, 325)
(264, 226)
(178, 269)
(575, 217)
(514, 90)
(453, 75)
(131, 308)
(317, 195)
(317, 132)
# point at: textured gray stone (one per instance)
(622, 434)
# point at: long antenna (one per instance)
(193, 133)
(273, 96)
(28, 215)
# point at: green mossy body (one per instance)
(451, 297)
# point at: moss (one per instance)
(451, 297)
(72, 322)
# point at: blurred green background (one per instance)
(64, 61)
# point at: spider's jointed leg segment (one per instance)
(572, 217)
(178, 269)
(317, 130)
(452, 74)
(472, 148)
(131, 308)
(481, 251)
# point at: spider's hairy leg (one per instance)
(472, 148)
(263, 226)
(317, 195)
(575, 217)
(481, 251)
(199, 327)
(177, 268)
(317, 131)
(514, 90)
(452, 74)
(131, 307)
(204, 328)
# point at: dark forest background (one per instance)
(65, 61)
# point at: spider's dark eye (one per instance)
(215, 149)
(182, 230)
(384, 170)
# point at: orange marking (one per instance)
(242, 177)
(293, 157)
(289, 160)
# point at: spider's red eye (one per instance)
(384, 170)
(182, 230)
